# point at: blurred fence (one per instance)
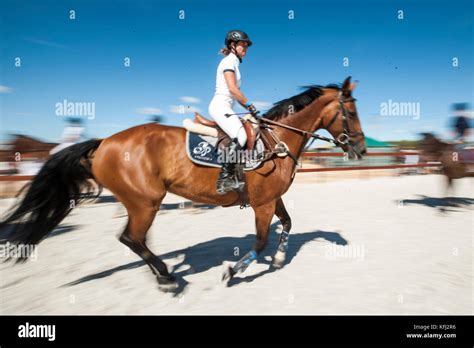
(400, 160)
(402, 157)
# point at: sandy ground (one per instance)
(378, 246)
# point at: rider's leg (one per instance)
(241, 136)
(233, 127)
(227, 180)
(231, 124)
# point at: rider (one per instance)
(74, 132)
(221, 106)
(460, 122)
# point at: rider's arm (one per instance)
(234, 89)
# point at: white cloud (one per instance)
(262, 105)
(190, 100)
(149, 111)
(183, 109)
(5, 89)
(44, 43)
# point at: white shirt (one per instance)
(229, 63)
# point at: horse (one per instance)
(455, 162)
(141, 164)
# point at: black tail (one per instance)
(60, 185)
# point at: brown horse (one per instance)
(141, 164)
(456, 163)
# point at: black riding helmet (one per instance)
(236, 36)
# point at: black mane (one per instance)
(300, 101)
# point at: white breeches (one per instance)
(221, 105)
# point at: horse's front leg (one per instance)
(263, 218)
(282, 214)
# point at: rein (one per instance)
(301, 131)
(345, 138)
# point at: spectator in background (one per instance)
(461, 122)
(73, 133)
(156, 118)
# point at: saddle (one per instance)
(205, 140)
(249, 122)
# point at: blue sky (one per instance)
(82, 60)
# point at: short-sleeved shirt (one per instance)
(229, 63)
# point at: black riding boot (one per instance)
(228, 180)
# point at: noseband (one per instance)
(346, 137)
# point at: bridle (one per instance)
(345, 138)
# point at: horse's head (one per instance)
(339, 117)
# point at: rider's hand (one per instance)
(252, 109)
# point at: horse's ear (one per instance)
(347, 87)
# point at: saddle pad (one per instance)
(201, 149)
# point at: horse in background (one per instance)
(456, 162)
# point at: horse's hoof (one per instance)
(167, 283)
(278, 260)
(228, 273)
(277, 265)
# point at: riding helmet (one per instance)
(236, 36)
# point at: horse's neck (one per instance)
(307, 120)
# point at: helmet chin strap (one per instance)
(234, 51)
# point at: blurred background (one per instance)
(75, 70)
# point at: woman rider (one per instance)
(221, 106)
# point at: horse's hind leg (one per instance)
(134, 236)
(282, 214)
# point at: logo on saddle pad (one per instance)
(202, 149)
